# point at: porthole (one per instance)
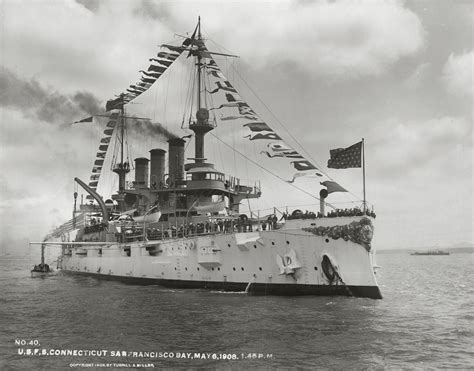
(242, 268)
(228, 245)
(218, 269)
(259, 268)
(273, 243)
(186, 268)
(212, 268)
(327, 240)
(198, 268)
(315, 268)
(254, 246)
(233, 268)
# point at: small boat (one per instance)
(148, 218)
(42, 269)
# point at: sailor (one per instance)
(274, 221)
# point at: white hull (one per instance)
(257, 261)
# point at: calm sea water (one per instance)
(426, 320)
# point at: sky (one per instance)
(324, 74)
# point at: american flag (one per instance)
(343, 158)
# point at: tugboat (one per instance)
(181, 225)
(42, 269)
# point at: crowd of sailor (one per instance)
(298, 214)
(350, 212)
(211, 227)
(224, 225)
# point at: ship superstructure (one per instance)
(180, 223)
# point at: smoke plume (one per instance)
(151, 128)
(44, 103)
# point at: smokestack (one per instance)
(141, 172)
(157, 167)
(176, 160)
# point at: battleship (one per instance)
(431, 252)
(180, 223)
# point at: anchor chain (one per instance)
(343, 283)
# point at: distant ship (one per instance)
(432, 252)
(180, 224)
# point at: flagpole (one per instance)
(363, 173)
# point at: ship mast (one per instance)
(199, 65)
(201, 126)
(122, 168)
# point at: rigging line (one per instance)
(165, 101)
(214, 118)
(224, 167)
(235, 130)
(279, 122)
(188, 143)
(112, 162)
(188, 94)
(320, 168)
(253, 145)
(155, 105)
(192, 96)
(263, 168)
(128, 147)
(115, 151)
(185, 82)
(235, 71)
(207, 81)
(220, 47)
(209, 97)
(203, 78)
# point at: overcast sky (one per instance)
(399, 74)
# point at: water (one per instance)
(426, 320)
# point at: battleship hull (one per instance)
(291, 260)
